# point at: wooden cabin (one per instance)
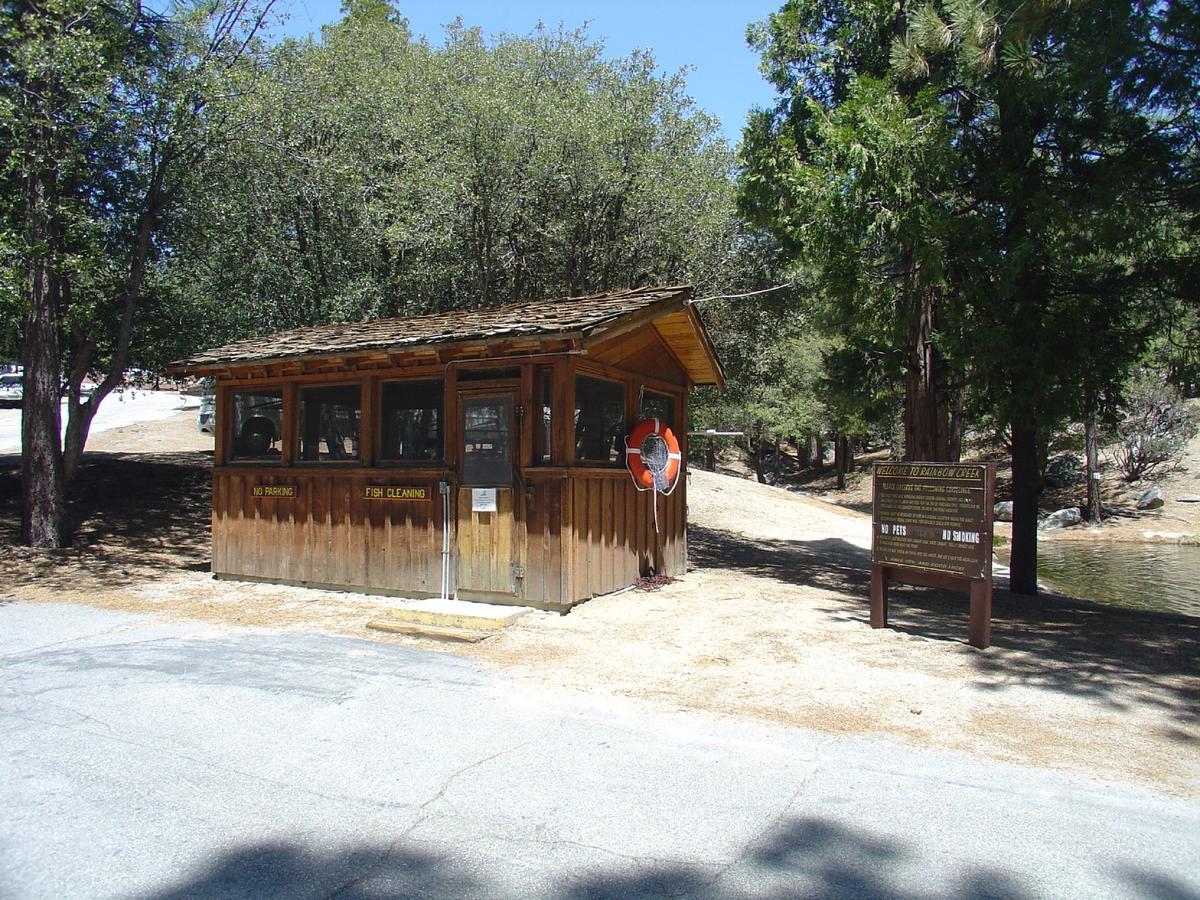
(476, 452)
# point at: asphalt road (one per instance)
(147, 759)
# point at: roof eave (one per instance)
(182, 367)
(710, 349)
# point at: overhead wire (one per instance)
(778, 287)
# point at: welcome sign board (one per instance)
(931, 524)
(932, 516)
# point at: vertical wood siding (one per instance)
(586, 533)
(328, 534)
(592, 533)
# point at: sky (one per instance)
(707, 37)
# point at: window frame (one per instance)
(624, 384)
(377, 423)
(300, 387)
(509, 393)
(645, 389)
(543, 456)
(224, 397)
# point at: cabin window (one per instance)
(256, 419)
(658, 406)
(543, 388)
(599, 420)
(329, 423)
(411, 421)
(487, 440)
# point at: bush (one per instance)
(1157, 426)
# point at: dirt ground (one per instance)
(770, 622)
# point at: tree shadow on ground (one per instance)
(808, 856)
(800, 857)
(1156, 885)
(1122, 657)
(837, 860)
(290, 870)
(829, 563)
(132, 517)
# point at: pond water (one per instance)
(1162, 577)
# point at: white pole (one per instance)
(444, 489)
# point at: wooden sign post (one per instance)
(932, 525)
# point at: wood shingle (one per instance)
(586, 319)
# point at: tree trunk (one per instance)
(759, 473)
(1095, 510)
(926, 413)
(804, 452)
(1025, 489)
(819, 455)
(43, 486)
(839, 460)
(957, 425)
(48, 462)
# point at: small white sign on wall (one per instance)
(483, 499)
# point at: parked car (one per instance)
(206, 419)
(11, 391)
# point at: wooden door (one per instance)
(488, 507)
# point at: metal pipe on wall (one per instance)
(444, 490)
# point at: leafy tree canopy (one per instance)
(1000, 195)
(384, 176)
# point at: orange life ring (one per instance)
(643, 477)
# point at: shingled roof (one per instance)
(586, 318)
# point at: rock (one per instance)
(1002, 511)
(1152, 499)
(1063, 518)
(1063, 471)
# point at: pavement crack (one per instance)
(566, 842)
(775, 820)
(422, 817)
(65, 641)
(454, 776)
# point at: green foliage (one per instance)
(1002, 193)
(1075, 172)
(1155, 429)
(1175, 348)
(858, 392)
(771, 353)
(859, 182)
(103, 107)
(374, 12)
(774, 383)
(1026, 164)
(385, 177)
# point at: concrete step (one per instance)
(455, 614)
(435, 632)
